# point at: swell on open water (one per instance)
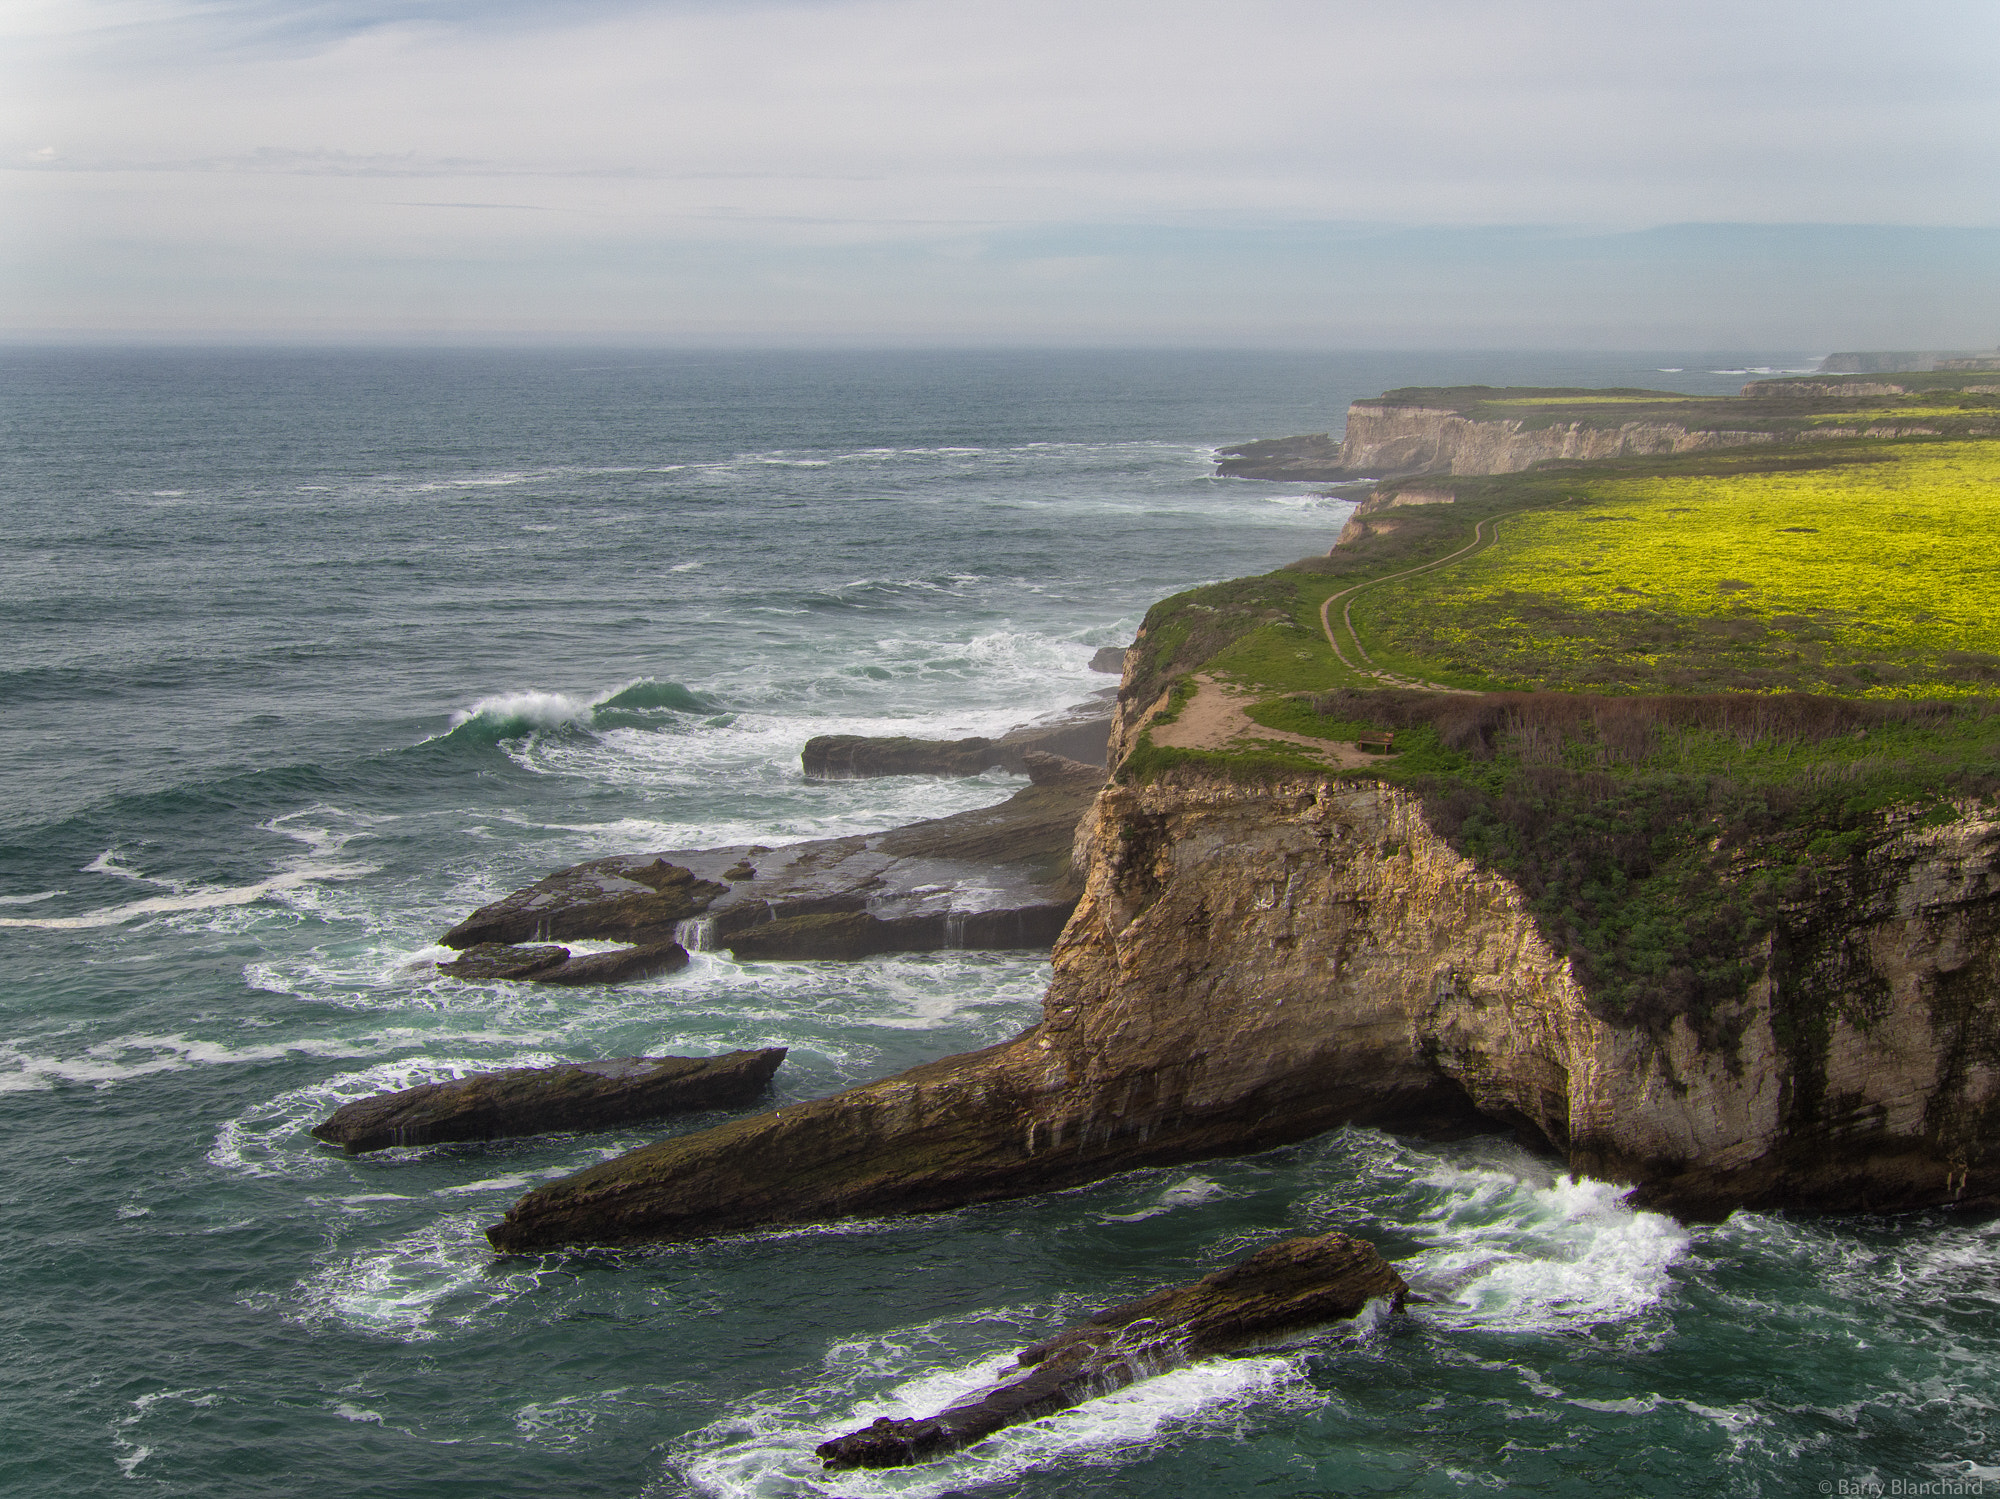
(305, 654)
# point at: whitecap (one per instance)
(199, 898)
(1517, 1254)
(541, 710)
(30, 900)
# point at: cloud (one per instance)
(696, 136)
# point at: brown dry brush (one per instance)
(1629, 728)
(1657, 883)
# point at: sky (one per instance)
(1620, 174)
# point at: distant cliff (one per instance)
(1384, 439)
(1500, 430)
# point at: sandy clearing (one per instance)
(1213, 719)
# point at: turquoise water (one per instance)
(307, 654)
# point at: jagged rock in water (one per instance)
(1079, 734)
(1279, 1292)
(620, 900)
(504, 960)
(541, 1100)
(996, 877)
(1111, 660)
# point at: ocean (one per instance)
(304, 654)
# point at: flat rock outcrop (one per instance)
(1278, 1293)
(1251, 965)
(996, 877)
(541, 1100)
(551, 964)
(1312, 458)
(505, 960)
(638, 899)
(1080, 734)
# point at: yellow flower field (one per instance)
(1877, 577)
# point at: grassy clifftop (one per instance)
(1685, 694)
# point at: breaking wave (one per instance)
(512, 715)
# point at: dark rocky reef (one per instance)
(541, 1100)
(1280, 1292)
(1080, 734)
(504, 960)
(1314, 458)
(631, 899)
(993, 878)
(550, 964)
(857, 934)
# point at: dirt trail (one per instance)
(1360, 663)
(1214, 718)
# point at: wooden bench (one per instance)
(1377, 744)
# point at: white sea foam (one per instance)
(124, 1429)
(413, 1287)
(30, 900)
(108, 863)
(128, 1057)
(193, 898)
(1515, 1251)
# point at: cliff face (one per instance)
(1250, 966)
(1423, 440)
(1332, 929)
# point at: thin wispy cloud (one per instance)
(227, 137)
